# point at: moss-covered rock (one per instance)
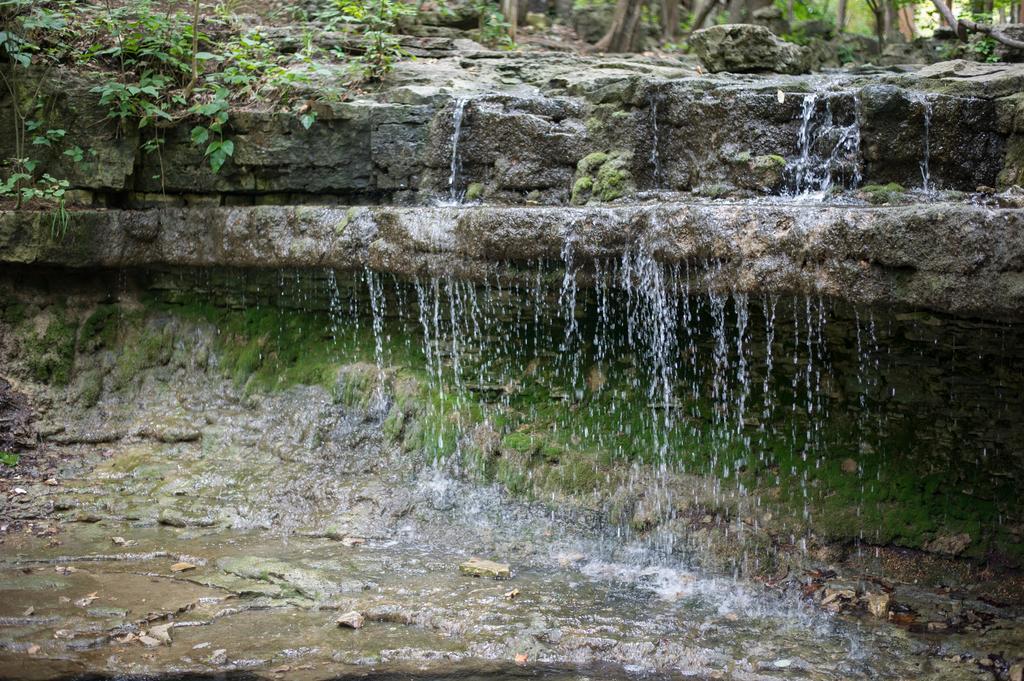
(764, 174)
(50, 347)
(603, 177)
(879, 194)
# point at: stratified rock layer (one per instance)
(961, 259)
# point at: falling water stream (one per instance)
(828, 143)
(625, 383)
(458, 111)
(926, 108)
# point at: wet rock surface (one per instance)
(105, 590)
(529, 120)
(954, 258)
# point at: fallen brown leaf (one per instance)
(181, 567)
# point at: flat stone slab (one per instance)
(961, 259)
(478, 567)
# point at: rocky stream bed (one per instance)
(725, 370)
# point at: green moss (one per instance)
(519, 442)
(90, 387)
(603, 177)
(581, 190)
(12, 312)
(612, 180)
(591, 162)
(50, 355)
(144, 347)
(356, 384)
(474, 191)
(769, 161)
(99, 329)
(544, 444)
(878, 194)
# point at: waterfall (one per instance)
(829, 151)
(926, 106)
(653, 366)
(456, 164)
(377, 303)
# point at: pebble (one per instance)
(351, 620)
(878, 604)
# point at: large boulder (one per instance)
(746, 48)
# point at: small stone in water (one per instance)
(351, 620)
(181, 567)
(219, 656)
(162, 633)
(148, 641)
(476, 567)
(878, 604)
(34, 650)
(352, 541)
(782, 664)
(569, 558)
(1017, 672)
(511, 594)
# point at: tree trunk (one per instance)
(841, 17)
(703, 11)
(964, 26)
(510, 8)
(892, 22)
(736, 8)
(669, 19)
(621, 35)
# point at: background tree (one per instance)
(965, 26)
(623, 34)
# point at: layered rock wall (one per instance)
(961, 259)
(522, 139)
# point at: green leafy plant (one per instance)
(9, 458)
(21, 22)
(380, 47)
(214, 114)
(984, 48)
(493, 27)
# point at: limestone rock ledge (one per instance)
(965, 260)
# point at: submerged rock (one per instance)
(351, 620)
(476, 567)
(949, 544)
(878, 604)
(746, 48)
